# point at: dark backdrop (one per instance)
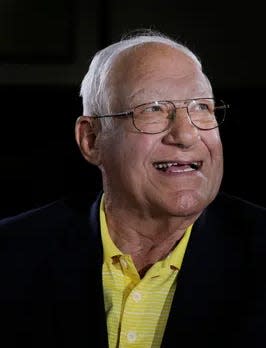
(45, 50)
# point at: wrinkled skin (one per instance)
(144, 205)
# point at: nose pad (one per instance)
(172, 115)
(179, 116)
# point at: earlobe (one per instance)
(86, 134)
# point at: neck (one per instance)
(147, 239)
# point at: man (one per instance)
(161, 258)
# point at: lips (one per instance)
(178, 166)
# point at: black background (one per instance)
(45, 49)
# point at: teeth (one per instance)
(165, 165)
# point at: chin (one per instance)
(190, 203)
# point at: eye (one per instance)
(153, 108)
(202, 107)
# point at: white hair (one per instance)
(93, 87)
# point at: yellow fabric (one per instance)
(137, 309)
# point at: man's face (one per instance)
(156, 174)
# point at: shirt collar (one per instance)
(173, 260)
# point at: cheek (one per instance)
(213, 144)
(120, 152)
(128, 151)
(216, 157)
(217, 149)
(138, 146)
(214, 148)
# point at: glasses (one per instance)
(158, 116)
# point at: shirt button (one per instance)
(136, 296)
(131, 336)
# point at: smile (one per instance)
(178, 167)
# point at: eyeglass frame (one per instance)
(130, 113)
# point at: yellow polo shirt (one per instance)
(137, 309)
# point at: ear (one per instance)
(86, 133)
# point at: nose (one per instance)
(182, 132)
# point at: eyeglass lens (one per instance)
(157, 116)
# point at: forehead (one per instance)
(149, 58)
(155, 70)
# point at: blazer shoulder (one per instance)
(228, 201)
(50, 216)
(238, 212)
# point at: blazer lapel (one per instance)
(80, 312)
(207, 298)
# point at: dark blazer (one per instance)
(51, 282)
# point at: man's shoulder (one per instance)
(237, 211)
(231, 202)
(50, 215)
(54, 239)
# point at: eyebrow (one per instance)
(150, 94)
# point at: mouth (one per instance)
(177, 167)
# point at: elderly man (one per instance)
(161, 258)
